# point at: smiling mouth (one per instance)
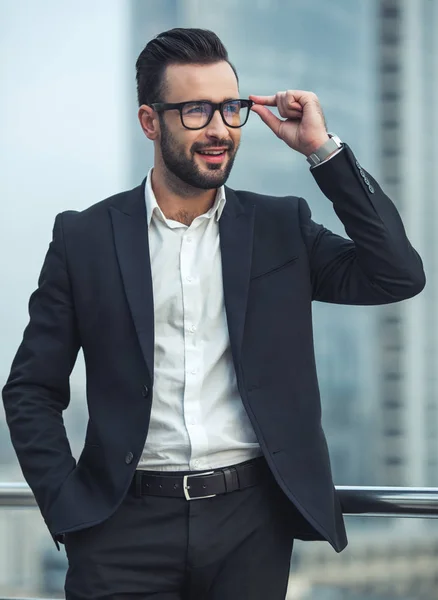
(212, 152)
(212, 156)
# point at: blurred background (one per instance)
(70, 137)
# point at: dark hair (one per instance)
(176, 46)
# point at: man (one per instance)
(204, 456)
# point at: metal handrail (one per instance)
(367, 501)
(370, 501)
(16, 495)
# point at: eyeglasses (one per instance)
(198, 114)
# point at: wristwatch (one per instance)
(321, 153)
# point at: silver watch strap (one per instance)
(332, 144)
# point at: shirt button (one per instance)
(189, 239)
(192, 329)
(128, 458)
(189, 279)
(193, 371)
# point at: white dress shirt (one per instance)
(198, 421)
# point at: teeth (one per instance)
(213, 153)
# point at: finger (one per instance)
(302, 97)
(278, 100)
(294, 115)
(295, 106)
(266, 100)
(288, 104)
(290, 111)
(268, 117)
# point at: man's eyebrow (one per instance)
(206, 100)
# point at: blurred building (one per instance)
(408, 353)
(375, 566)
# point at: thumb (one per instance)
(267, 117)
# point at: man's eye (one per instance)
(232, 108)
(195, 110)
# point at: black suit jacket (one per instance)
(95, 292)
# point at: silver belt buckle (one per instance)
(187, 487)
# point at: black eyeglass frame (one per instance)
(163, 106)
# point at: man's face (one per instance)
(180, 147)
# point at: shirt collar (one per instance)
(152, 207)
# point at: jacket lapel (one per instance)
(132, 247)
(236, 227)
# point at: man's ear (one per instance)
(149, 121)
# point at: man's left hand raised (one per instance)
(303, 126)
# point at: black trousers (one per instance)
(235, 546)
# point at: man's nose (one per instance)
(217, 127)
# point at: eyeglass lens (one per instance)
(197, 114)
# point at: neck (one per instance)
(180, 201)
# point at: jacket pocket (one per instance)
(280, 267)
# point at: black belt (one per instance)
(205, 484)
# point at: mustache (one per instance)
(198, 147)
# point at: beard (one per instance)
(187, 170)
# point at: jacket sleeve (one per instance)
(37, 390)
(377, 265)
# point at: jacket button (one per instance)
(128, 458)
(145, 391)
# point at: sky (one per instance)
(63, 141)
